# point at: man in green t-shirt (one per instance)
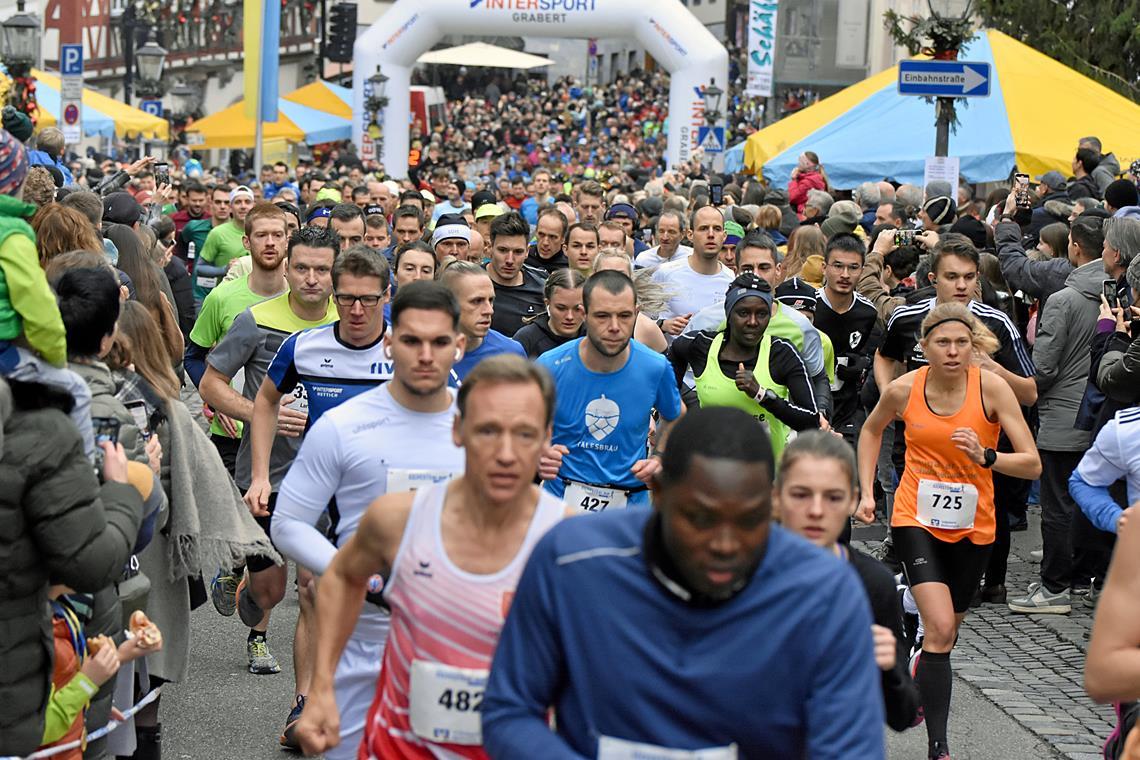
(249, 348)
(195, 230)
(223, 244)
(266, 243)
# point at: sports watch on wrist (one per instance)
(989, 456)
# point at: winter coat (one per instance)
(1085, 187)
(1061, 352)
(1037, 279)
(1118, 375)
(1041, 217)
(57, 524)
(1105, 172)
(799, 185)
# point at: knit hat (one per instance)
(733, 233)
(812, 270)
(450, 226)
(1121, 193)
(13, 163)
(121, 208)
(744, 286)
(18, 124)
(973, 229)
(940, 209)
(796, 294)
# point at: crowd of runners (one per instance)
(567, 465)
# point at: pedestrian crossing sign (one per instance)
(711, 139)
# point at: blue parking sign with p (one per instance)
(71, 60)
(152, 107)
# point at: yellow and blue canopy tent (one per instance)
(1037, 110)
(232, 128)
(324, 96)
(101, 116)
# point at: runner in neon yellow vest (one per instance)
(744, 366)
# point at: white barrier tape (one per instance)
(96, 734)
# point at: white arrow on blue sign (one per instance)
(944, 79)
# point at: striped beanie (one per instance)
(13, 163)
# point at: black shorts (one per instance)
(227, 449)
(926, 559)
(257, 564)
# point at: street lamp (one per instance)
(21, 49)
(375, 102)
(711, 95)
(21, 41)
(150, 61)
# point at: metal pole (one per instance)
(128, 51)
(942, 125)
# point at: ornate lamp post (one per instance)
(712, 96)
(20, 50)
(150, 60)
(375, 102)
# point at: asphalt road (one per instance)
(224, 713)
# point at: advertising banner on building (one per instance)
(761, 47)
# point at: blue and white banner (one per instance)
(761, 47)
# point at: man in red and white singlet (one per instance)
(452, 554)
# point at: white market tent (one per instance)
(482, 54)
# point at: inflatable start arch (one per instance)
(665, 28)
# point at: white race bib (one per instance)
(401, 480)
(950, 506)
(300, 402)
(610, 748)
(447, 703)
(208, 283)
(593, 498)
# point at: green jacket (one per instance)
(57, 524)
(27, 304)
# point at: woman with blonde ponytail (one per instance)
(944, 521)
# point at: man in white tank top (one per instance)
(452, 554)
(394, 438)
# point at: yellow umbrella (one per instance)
(128, 121)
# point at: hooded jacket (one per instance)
(1105, 172)
(57, 524)
(1061, 352)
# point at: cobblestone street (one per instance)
(1031, 666)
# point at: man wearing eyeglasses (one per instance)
(848, 319)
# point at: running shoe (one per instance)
(223, 590)
(912, 667)
(247, 608)
(1042, 601)
(288, 740)
(261, 660)
(940, 751)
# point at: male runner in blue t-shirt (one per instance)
(607, 388)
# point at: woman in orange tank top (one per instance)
(943, 522)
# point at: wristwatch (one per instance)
(989, 456)
(766, 395)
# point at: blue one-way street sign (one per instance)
(945, 79)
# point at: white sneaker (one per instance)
(1042, 601)
(1036, 555)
